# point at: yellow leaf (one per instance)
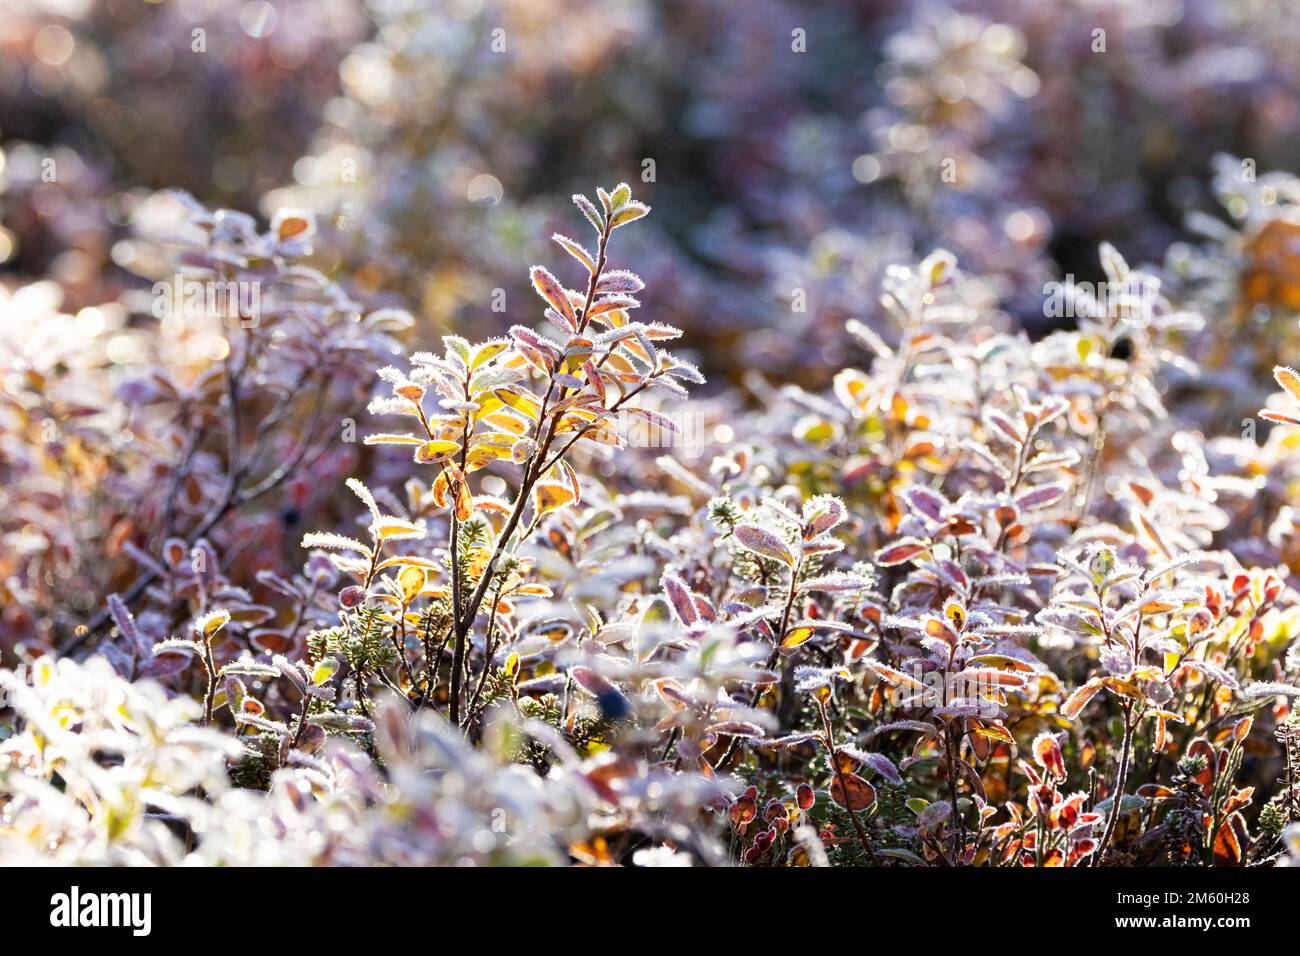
(1158, 607)
(439, 449)
(212, 622)
(524, 404)
(392, 440)
(411, 581)
(548, 496)
(795, 637)
(397, 528)
(576, 354)
(408, 561)
(439, 490)
(483, 457)
(487, 404)
(617, 363)
(574, 419)
(994, 732)
(486, 352)
(506, 423)
(532, 590)
(629, 213)
(1121, 687)
(325, 669)
(501, 439)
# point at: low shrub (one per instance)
(987, 601)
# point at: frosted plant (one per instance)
(99, 767)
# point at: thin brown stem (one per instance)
(464, 619)
(844, 789)
(210, 666)
(1121, 777)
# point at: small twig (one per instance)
(1121, 776)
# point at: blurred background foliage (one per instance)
(795, 148)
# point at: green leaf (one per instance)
(629, 213)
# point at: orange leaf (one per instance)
(851, 791)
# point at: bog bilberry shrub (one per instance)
(982, 602)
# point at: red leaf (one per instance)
(901, 552)
(679, 598)
(549, 288)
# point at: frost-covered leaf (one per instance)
(764, 543)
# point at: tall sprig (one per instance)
(524, 402)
